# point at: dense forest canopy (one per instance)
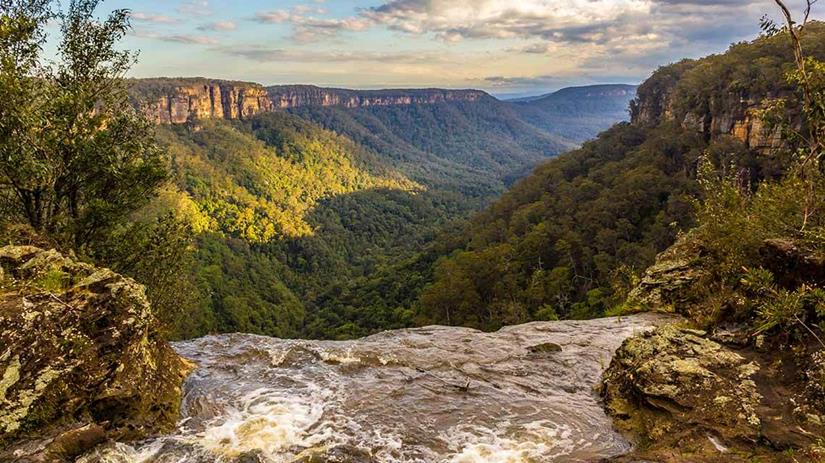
(570, 239)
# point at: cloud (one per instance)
(266, 55)
(177, 38)
(309, 28)
(195, 8)
(219, 26)
(153, 18)
(558, 21)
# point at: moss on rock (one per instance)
(81, 358)
(681, 396)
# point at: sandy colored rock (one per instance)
(81, 359)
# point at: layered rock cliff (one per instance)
(293, 96)
(665, 97)
(177, 101)
(81, 361)
(723, 94)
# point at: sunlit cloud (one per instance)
(219, 26)
(152, 18)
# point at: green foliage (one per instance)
(75, 159)
(557, 237)
(159, 253)
(259, 181)
(243, 290)
(778, 307)
(464, 147)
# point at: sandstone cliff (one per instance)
(662, 98)
(293, 96)
(81, 361)
(177, 101)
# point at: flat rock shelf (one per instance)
(433, 394)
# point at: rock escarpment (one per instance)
(81, 361)
(294, 96)
(726, 94)
(178, 101)
(185, 100)
(735, 115)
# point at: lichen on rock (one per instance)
(681, 396)
(81, 359)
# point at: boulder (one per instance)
(680, 396)
(792, 264)
(670, 283)
(81, 360)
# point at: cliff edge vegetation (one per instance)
(744, 378)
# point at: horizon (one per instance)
(499, 96)
(509, 51)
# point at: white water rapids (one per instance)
(433, 394)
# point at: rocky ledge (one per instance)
(81, 361)
(724, 393)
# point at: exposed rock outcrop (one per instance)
(81, 361)
(670, 283)
(729, 394)
(673, 95)
(681, 396)
(293, 96)
(186, 100)
(178, 101)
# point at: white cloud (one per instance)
(219, 26)
(309, 28)
(195, 8)
(152, 18)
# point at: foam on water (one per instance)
(433, 394)
(267, 421)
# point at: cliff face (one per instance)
(167, 101)
(293, 96)
(178, 101)
(732, 114)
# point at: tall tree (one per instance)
(75, 157)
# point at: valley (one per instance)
(328, 187)
(199, 270)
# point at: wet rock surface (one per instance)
(435, 394)
(80, 360)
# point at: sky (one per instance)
(507, 47)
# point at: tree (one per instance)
(810, 79)
(75, 157)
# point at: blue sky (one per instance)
(503, 46)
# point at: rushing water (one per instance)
(434, 394)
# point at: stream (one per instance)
(434, 394)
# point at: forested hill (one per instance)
(578, 113)
(484, 134)
(568, 240)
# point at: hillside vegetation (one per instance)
(578, 113)
(570, 239)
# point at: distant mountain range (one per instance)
(578, 113)
(178, 100)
